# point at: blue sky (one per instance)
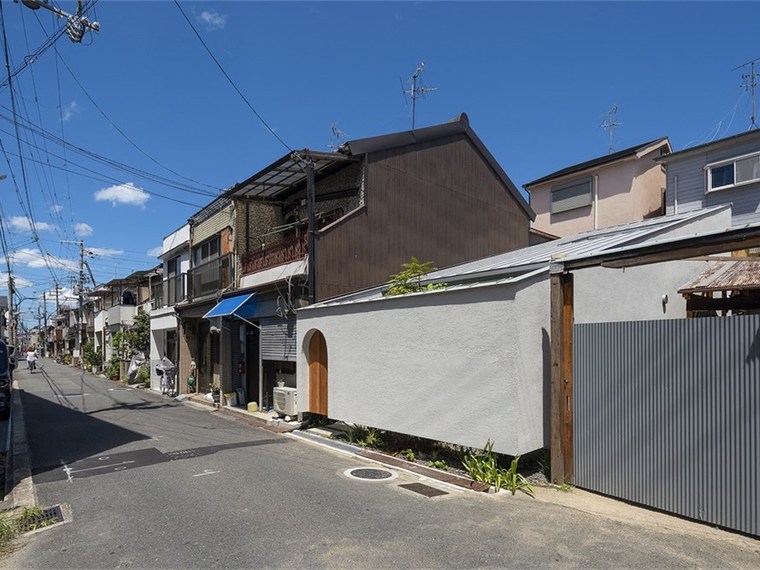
(127, 134)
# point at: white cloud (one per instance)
(23, 224)
(33, 258)
(155, 252)
(18, 282)
(105, 252)
(56, 208)
(82, 230)
(70, 110)
(123, 194)
(213, 20)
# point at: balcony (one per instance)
(168, 292)
(291, 249)
(210, 277)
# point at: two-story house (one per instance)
(118, 302)
(725, 171)
(315, 225)
(210, 273)
(611, 190)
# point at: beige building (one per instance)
(611, 190)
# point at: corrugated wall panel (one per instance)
(667, 414)
(278, 339)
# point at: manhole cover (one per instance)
(369, 474)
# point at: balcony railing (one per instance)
(291, 249)
(168, 292)
(210, 277)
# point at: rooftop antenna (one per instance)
(610, 124)
(337, 137)
(750, 82)
(417, 90)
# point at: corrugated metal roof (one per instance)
(587, 243)
(726, 276)
(516, 265)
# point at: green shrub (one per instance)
(483, 466)
(143, 375)
(114, 368)
(438, 464)
(407, 454)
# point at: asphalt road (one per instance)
(153, 483)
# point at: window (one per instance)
(734, 172)
(172, 267)
(571, 196)
(207, 251)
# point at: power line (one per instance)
(229, 79)
(121, 132)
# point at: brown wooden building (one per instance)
(315, 225)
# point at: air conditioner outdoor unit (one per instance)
(285, 401)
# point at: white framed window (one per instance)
(733, 172)
(570, 196)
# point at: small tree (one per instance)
(410, 279)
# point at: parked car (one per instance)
(12, 360)
(6, 370)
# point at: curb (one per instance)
(23, 492)
(376, 457)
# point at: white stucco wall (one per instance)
(471, 365)
(458, 366)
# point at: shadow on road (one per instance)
(58, 433)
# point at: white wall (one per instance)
(455, 366)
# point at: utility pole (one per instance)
(57, 314)
(82, 336)
(11, 310)
(44, 323)
(76, 24)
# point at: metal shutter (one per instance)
(278, 339)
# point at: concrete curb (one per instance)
(23, 493)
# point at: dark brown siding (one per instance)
(438, 201)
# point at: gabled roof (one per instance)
(518, 264)
(603, 160)
(287, 175)
(712, 144)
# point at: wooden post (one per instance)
(562, 377)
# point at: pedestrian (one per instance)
(31, 359)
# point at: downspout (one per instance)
(596, 201)
(312, 265)
(675, 194)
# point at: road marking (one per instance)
(69, 395)
(205, 472)
(102, 467)
(120, 389)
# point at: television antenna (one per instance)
(610, 124)
(417, 90)
(750, 82)
(338, 137)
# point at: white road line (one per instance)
(205, 472)
(100, 467)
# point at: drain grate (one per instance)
(422, 489)
(369, 474)
(31, 520)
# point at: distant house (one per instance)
(169, 289)
(626, 186)
(725, 171)
(314, 225)
(472, 361)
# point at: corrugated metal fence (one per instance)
(667, 414)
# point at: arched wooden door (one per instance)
(318, 374)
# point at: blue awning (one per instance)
(242, 305)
